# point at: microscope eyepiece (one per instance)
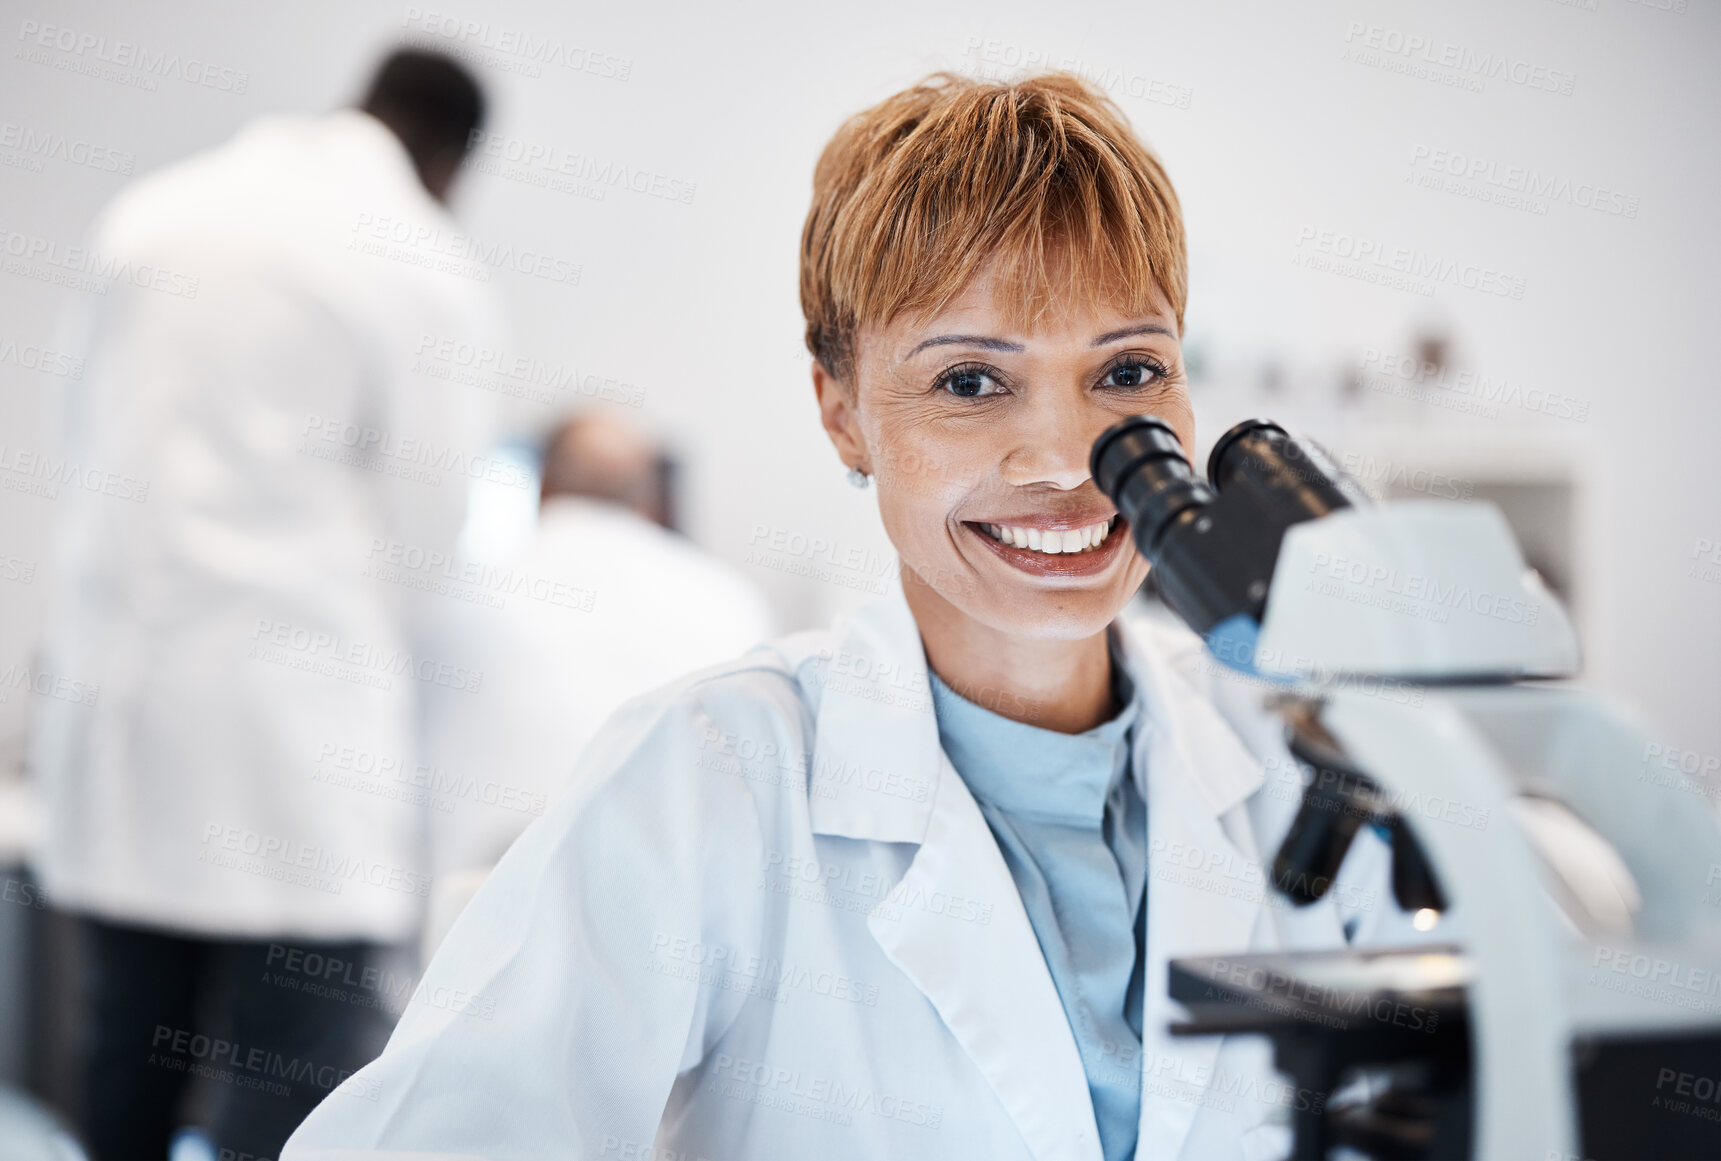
(1296, 480)
(1213, 543)
(1217, 464)
(1140, 464)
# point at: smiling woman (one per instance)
(883, 891)
(992, 275)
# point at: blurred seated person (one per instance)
(609, 605)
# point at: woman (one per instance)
(882, 892)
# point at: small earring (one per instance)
(858, 478)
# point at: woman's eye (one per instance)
(1129, 375)
(970, 383)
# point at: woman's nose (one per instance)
(1050, 444)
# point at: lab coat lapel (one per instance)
(1205, 890)
(955, 924)
(875, 753)
(956, 927)
(987, 977)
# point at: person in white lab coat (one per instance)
(254, 380)
(604, 604)
(907, 888)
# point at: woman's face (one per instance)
(977, 437)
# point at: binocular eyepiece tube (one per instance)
(1214, 542)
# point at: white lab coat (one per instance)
(699, 953)
(600, 607)
(266, 403)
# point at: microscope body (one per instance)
(1581, 886)
(1585, 894)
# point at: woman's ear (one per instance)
(840, 413)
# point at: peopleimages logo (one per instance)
(41, 682)
(95, 55)
(1428, 58)
(505, 372)
(409, 457)
(35, 357)
(50, 261)
(243, 849)
(261, 1068)
(330, 977)
(510, 49)
(434, 571)
(1538, 188)
(420, 783)
(31, 147)
(363, 663)
(527, 157)
(1415, 377)
(1372, 260)
(1380, 475)
(1000, 60)
(431, 247)
(1412, 594)
(43, 474)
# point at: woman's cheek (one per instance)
(912, 517)
(919, 473)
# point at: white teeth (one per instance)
(1051, 541)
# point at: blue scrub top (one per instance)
(1073, 830)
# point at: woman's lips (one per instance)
(1084, 563)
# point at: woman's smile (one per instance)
(1051, 548)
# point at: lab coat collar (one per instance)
(877, 758)
(955, 924)
(1206, 891)
(1221, 771)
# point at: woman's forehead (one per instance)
(982, 310)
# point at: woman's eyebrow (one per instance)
(1126, 332)
(984, 342)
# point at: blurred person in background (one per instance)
(607, 604)
(192, 825)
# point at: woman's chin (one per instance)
(1063, 618)
(1035, 612)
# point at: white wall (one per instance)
(1271, 130)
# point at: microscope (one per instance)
(1579, 1014)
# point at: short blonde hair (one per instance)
(914, 196)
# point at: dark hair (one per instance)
(430, 102)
